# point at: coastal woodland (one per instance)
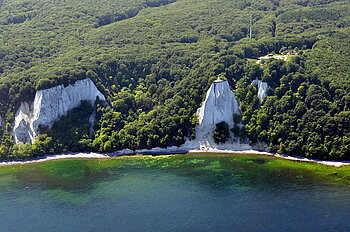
(154, 60)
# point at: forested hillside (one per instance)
(154, 60)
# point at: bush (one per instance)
(221, 133)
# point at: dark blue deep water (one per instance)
(175, 193)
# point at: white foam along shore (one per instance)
(169, 151)
(89, 155)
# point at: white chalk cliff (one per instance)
(262, 88)
(49, 105)
(220, 105)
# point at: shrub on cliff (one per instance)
(221, 133)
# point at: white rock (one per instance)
(262, 88)
(220, 105)
(92, 120)
(49, 105)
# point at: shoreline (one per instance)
(168, 151)
(331, 163)
(72, 155)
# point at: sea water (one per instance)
(175, 193)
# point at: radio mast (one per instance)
(250, 27)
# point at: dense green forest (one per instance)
(154, 61)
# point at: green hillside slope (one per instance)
(154, 60)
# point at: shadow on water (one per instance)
(75, 176)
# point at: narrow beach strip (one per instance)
(82, 155)
(169, 151)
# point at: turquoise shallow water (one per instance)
(174, 193)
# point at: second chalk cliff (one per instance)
(220, 105)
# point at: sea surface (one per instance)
(175, 193)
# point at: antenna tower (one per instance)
(250, 27)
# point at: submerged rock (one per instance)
(262, 88)
(220, 105)
(49, 105)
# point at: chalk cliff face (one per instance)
(262, 89)
(49, 105)
(220, 105)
